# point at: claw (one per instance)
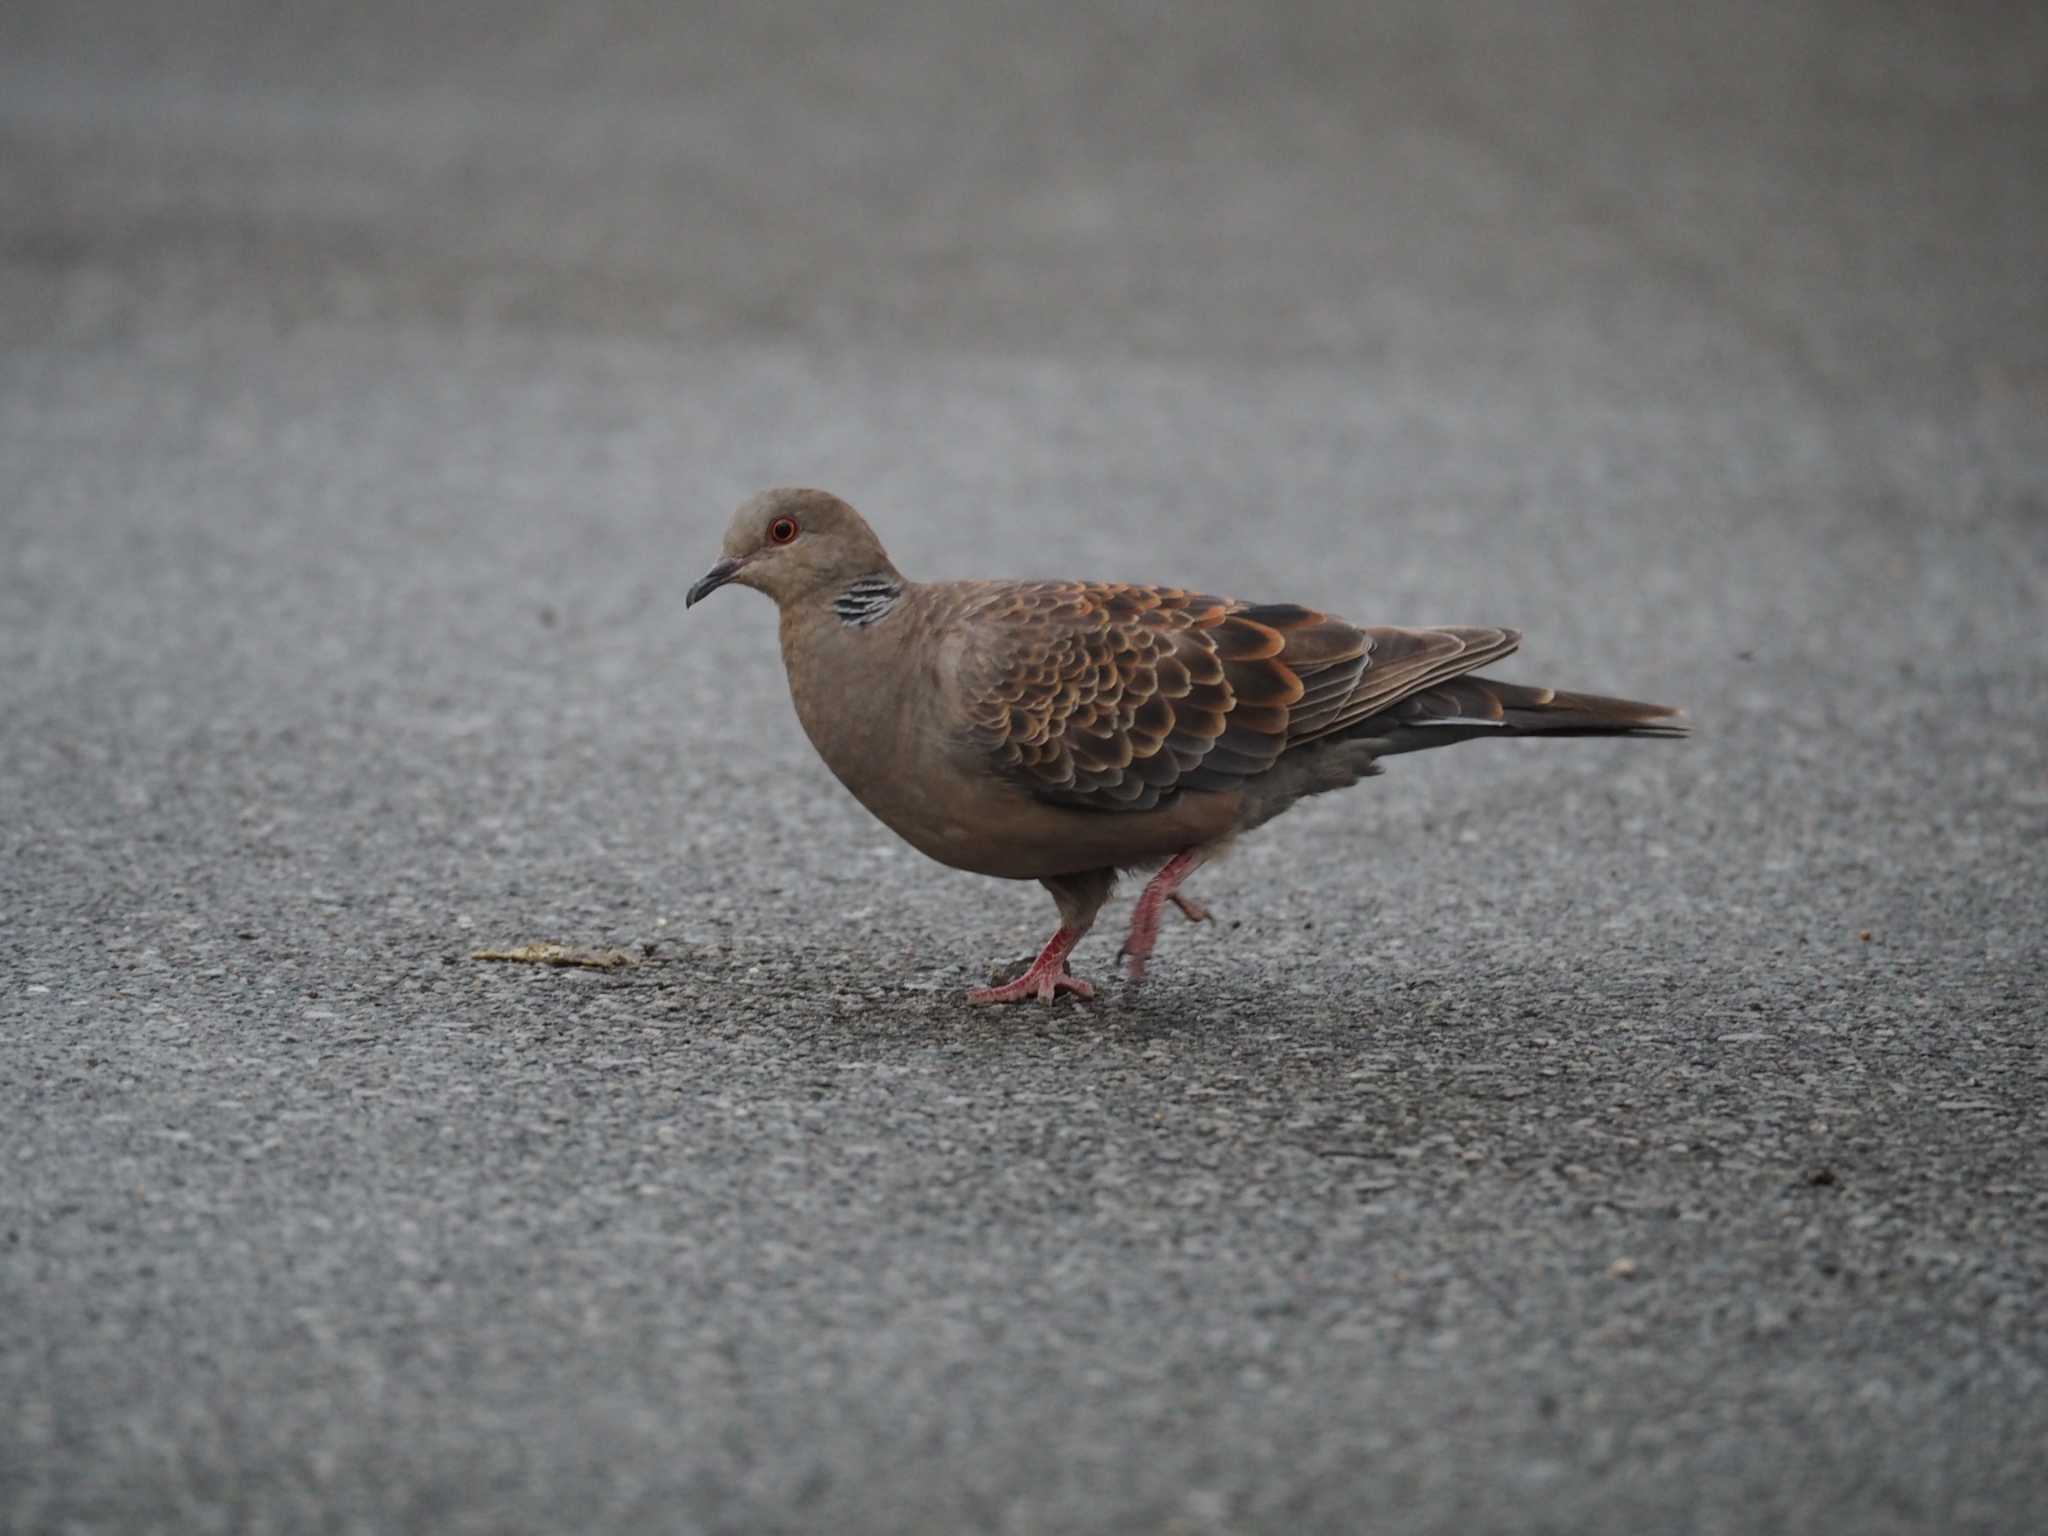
(1045, 988)
(1046, 979)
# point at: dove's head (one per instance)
(795, 544)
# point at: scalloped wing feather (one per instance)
(1116, 697)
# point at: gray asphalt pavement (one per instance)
(1574, 1137)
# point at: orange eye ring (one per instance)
(782, 531)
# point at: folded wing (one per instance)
(1116, 697)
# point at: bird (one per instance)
(1070, 732)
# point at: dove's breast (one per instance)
(877, 703)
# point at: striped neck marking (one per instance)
(868, 600)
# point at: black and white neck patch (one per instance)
(867, 600)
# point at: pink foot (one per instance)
(1045, 988)
(1047, 978)
(1190, 909)
(1144, 934)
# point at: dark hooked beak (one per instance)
(714, 578)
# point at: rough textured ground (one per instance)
(1575, 1137)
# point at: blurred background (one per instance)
(374, 379)
(1487, 255)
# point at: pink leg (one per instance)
(1145, 916)
(1047, 977)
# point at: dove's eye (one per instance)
(782, 530)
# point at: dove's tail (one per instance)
(1468, 707)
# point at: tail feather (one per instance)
(1466, 707)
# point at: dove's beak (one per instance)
(713, 579)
